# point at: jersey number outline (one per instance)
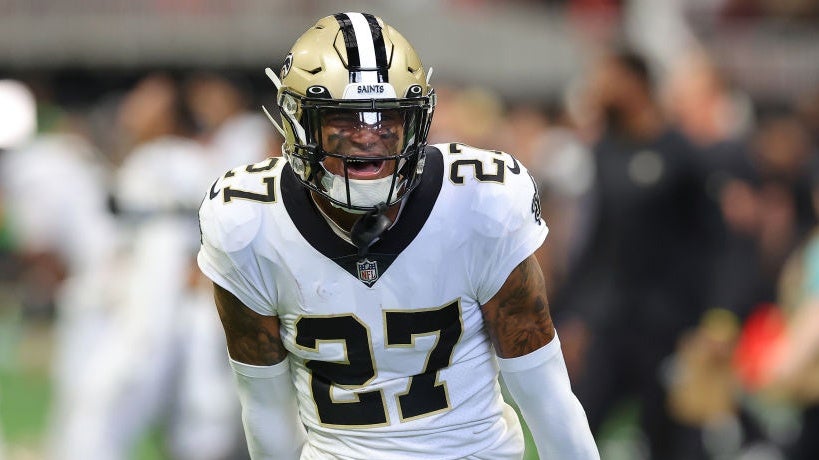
(230, 193)
(425, 395)
(499, 176)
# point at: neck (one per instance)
(344, 219)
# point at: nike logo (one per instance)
(516, 168)
(213, 192)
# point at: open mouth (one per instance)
(364, 168)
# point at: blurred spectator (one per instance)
(69, 239)
(446, 121)
(719, 119)
(645, 272)
(17, 125)
(765, 201)
(523, 127)
(783, 155)
(61, 241)
(793, 370)
(236, 136)
(473, 113)
(703, 104)
(164, 360)
(545, 141)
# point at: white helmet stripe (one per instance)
(366, 47)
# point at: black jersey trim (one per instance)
(315, 230)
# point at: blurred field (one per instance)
(25, 393)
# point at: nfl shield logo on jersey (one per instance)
(367, 271)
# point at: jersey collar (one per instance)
(316, 231)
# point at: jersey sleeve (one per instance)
(225, 254)
(510, 226)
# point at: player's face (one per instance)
(362, 135)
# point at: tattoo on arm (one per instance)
(517, 317)
(251, 338)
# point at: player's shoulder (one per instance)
(453, 151)
(489, 184)
(466, 164)
(482, 171)
(233, 208)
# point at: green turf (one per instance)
(25, 399)
(24, 402)
(150, 447)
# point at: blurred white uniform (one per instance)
(389, 355)
(165, 355)
(18, 122)
(243, 139)
(55, 191)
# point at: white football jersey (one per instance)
(389, 352)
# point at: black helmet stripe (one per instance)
(353, 62)
(366, 51)
(379, 48)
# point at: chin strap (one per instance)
(369, 227)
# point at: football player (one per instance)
(367, 281)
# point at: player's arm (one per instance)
(519, 324)
(251, 338)
(269, 410)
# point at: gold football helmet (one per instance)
(351, 74)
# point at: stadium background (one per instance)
(508, 72)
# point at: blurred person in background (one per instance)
(225, 125)
(74, 237)
(777, 212)
(719, 118)
(644, 273)
(562, 165)
(63, 243)
(471, 113)
(703, 389)
(163, 360)
(18, 123)
(782, 370)
(791, 364)
(764, 195)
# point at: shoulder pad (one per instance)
(232, 210)
(493, 185)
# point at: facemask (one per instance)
(364, 193)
